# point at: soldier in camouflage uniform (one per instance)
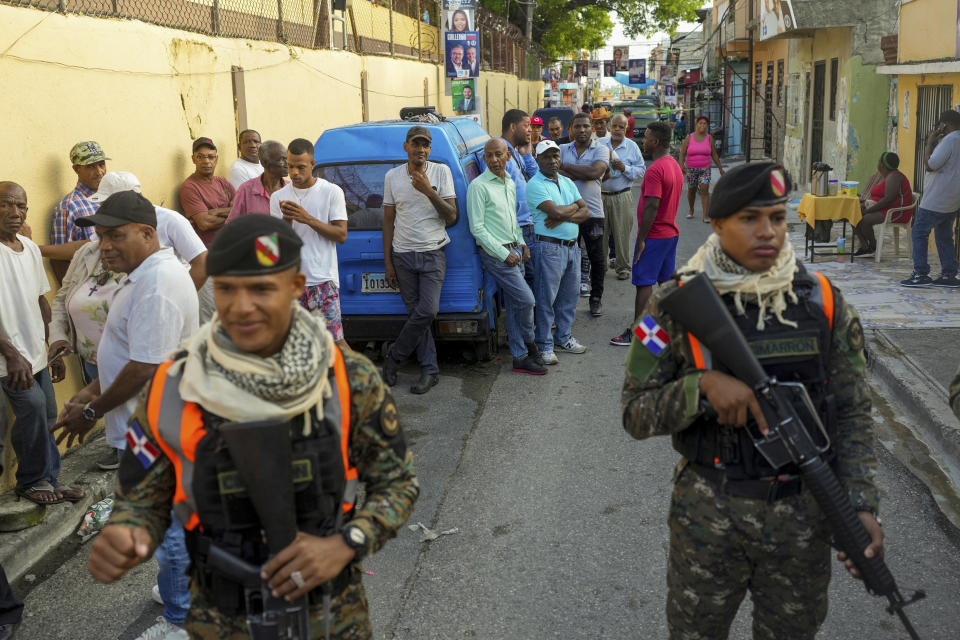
(260, 328)
(735, 523)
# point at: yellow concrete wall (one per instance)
(373, 21)
(928, 30)
(907, 134)
(145, 92)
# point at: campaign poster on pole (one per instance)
(582, 67)
(464, 95)
(460, 20)
(620, 56)
(670, 94)
(776, 17)
(609, 69)
(637, 73)
(594, 70)
(461, 48)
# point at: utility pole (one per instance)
(530, 5)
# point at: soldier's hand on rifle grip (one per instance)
(732, 400)
(317, 559)
(116, 550)
(874, 549)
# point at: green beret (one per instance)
(254, 245)
(756, 184)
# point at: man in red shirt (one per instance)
(630, 123)
(204, 197)
(655, 254)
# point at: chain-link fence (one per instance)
(405, 28)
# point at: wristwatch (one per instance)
(356, 539)
(88, 413)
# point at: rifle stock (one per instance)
(698, 308)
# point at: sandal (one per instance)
(36, 493)
(71, 493)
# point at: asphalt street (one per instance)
(560, 518)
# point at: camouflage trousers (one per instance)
(722, 545)
(349, 619)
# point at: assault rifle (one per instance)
(263, 455)
(790, 415)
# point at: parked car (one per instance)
(357, 157)
(564, 113)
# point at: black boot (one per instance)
(389, 370)
(529, 365)
(427, 381)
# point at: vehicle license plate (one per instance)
(373, 282)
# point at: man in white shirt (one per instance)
(318, 213)
(153, 312)
(24, 376)
(419, 203)
(616, 192)
(247, 166)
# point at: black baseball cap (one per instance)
(203, 142)
(756, 184)
(123, 207)
(419, 132)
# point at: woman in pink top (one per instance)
(696, 157)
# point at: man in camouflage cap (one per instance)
(261, 358)
(736, 523)
(90, 164)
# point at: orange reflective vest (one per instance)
(178, 427)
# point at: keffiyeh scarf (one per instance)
(769, 290)
(240, 386)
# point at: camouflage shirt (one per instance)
(377, 449)
(661, 393)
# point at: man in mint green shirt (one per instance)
(491, 209)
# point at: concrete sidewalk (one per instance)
(913, 343)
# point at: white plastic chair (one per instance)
(882, 227)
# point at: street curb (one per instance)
(922, 397)
(23, 551)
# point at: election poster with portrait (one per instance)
(620, 57)
(637, 73)
(464, 95)
(594, 71)
(462, 54)
(609, 69)
(460, 20)
(582, 69)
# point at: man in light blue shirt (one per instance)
(626, 167)
(585, 161)
(557, 211)
(491, 203)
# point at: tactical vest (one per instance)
(789, 354)
(210, 498)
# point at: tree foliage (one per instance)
(564, 26)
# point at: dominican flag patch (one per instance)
(652, 335)
(139, 446)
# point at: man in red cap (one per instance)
(536, 128)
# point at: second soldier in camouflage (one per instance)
(735, 523)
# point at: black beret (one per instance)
(758, 184)
(253, 245)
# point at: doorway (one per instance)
(816, 117)
(932, 100)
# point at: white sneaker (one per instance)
(156, 594)
(164, 630)
(584, 289)
(549, 357)
(571, 346)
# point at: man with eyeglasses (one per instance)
(253, 196)
(205, 200)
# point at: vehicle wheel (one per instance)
(487, 349)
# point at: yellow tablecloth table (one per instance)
(814, 208)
